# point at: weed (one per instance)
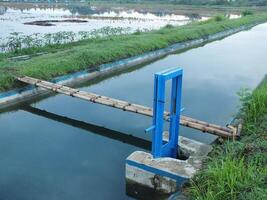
(219, 18)
(247, 12)
(237, 170)
(18, 41)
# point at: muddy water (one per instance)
(47, 156)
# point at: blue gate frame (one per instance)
(159, 148)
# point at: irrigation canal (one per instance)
(45, 155)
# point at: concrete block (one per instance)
(146, 176)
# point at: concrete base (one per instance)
(162, 176)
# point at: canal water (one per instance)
(44, 155)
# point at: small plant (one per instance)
(37, 41)
(84, 35)
(219, 18)
(48, 39)
(169, 26)
(18, 41)
(244, 97)
(28, 41)
(2, 45)
(14, 42)
(138, 32)
(247, 12)
(254, 105)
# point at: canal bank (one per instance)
(237, 169)
(23, 94)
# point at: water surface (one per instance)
(44, 156)
(13, 19)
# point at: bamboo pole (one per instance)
(126, 106)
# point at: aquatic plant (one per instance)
(28, 40)
(48, 39)
(14, 42)
(139, 32)
(36, 41)
(18, 41)
(2, 45)
(84, 35)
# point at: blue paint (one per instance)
(179, 179)
(159, 148)
(151, 128)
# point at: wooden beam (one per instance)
(129, 107)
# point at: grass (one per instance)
(67, 58)
(238, 169)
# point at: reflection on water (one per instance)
(45, 155)
(3, 10)
(12, 19)
(137, 15)
(100, 130)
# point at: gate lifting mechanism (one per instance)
(159, 147)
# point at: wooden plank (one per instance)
(126, 106)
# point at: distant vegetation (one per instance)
(197, 2)
(182, 2)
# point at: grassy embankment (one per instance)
(238, 169)
(68, 58)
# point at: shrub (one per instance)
(219, 18)
(247, 12)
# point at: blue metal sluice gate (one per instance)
(159, 147)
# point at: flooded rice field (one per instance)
(14, 19)
(35, 25)
(65, 148)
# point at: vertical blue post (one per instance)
(158, 112)
(169, 149)
(175, 110)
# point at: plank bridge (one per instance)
(226, 132)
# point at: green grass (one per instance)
(68, 58)
(238, 169)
